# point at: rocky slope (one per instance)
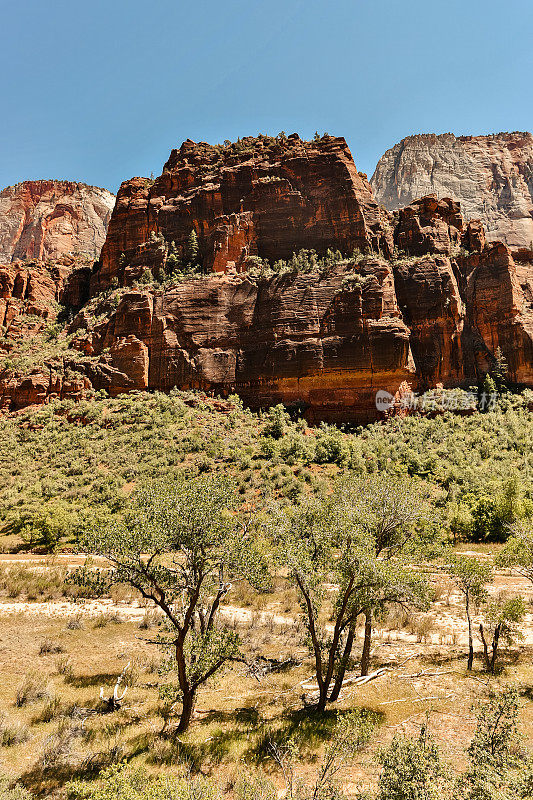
(49, 219)
(326, 334)
(491, 176)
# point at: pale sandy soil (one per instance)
(447, 614)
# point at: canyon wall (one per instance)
(418, 298)
(49, 219)
(491, 176)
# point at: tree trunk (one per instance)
(343, 664)
(365, 655)
(470, 663)
(187, 711)
(322, 697)
(495, 648)
(188, 693)
(485, 648)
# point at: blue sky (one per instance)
(101, 91)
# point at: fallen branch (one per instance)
(425, 673)
(416, 699)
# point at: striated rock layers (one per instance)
(259, 197)
(328, 340)
(49, 219)
(491, 176)
(29, 298)
(325, 335)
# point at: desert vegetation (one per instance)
(198, 600)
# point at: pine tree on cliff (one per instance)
(192, 249)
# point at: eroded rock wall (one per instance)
(49, 219)
(491, 177)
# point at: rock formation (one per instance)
(29, 298)
(423, 301)
(491, 177)
(49, 219)
(259, 197)
(327, 341)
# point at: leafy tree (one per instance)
(316, 550)
(391, 514)
(503, 618)
(411, 769)
(495, 764)
(492, 515)
(173, 262)
(277, 420)
(179, 544)
(192, 249)
(470, 576)
(518, 550)
(46, 526)
(330, 540)
(500, 369)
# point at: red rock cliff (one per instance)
(328, 336)
(48, 219)
(259, 197)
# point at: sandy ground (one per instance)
(448, 625)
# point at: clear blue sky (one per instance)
(102, 91)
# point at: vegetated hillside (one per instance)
(66, 462)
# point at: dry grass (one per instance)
(51, 700)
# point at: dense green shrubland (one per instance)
(64, 461)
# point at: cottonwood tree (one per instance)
(315, 553)
(502, 624)
(342, 569)
(470, 576)
(392, 516)
(179, 545)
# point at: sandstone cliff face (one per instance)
(425, 302)
(29, 298)
(328, 341)
(49, 219)
(491, 176)
(260, 197)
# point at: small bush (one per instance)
(122, 782)
(47, 647)
(254, 786)
(16, 792)
(33, 688)
(12, 733)
(58, 749)
(106, 618)
(75, 623)
(64, 666)
(50, 711)
(150, 620)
